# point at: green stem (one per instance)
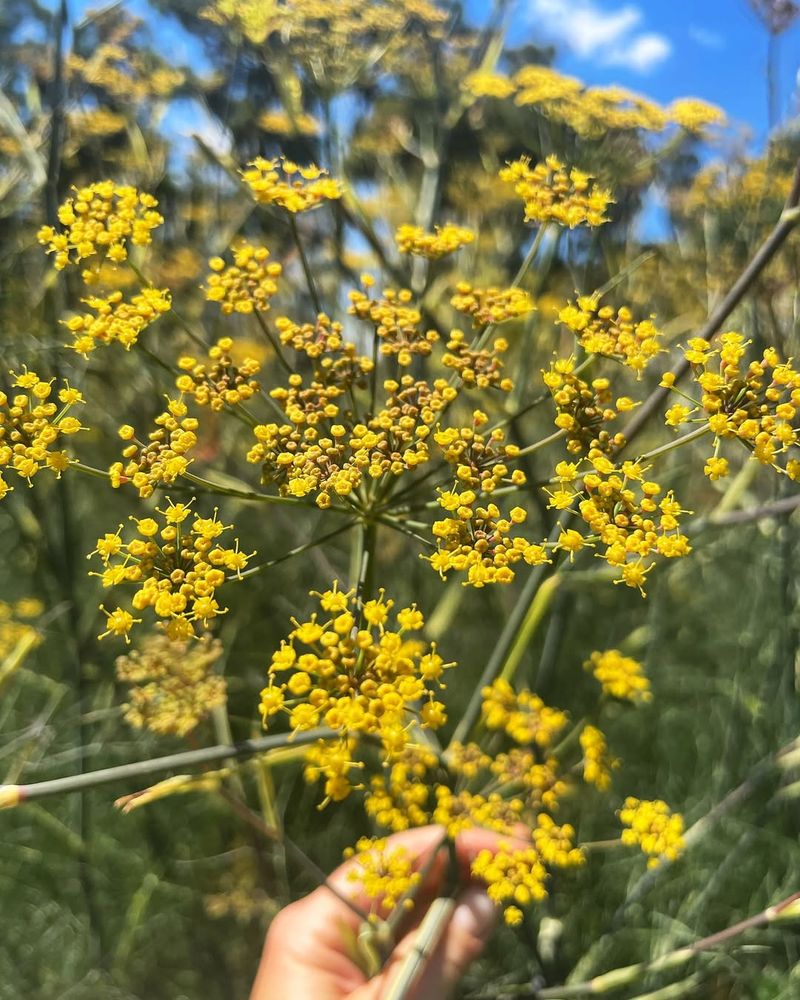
(616, 978)
(362, 568)
(295, 551)
(621, 275)
(601, 845)
(541, 444)
(427, 937)
(312, 288)
(13, 795)
(400, 526)
(536, 612)
(691, 436)
(276, 346)
(230, 491)
(88, 469)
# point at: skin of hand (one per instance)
(306, 953)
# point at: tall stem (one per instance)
(312, 287)
(274, 342)
(362, 568)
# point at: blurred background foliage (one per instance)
(172, 901)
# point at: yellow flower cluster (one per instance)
(218, 382)
(551, 193)
(399, 801)
(489, 306)
(314, 453)
(163, 459)
(600, 331)
(177, 570)
(385, 875)
(100, 220)
(620, 676)
(482, 84)
(521, 769)
(512, 787)
(582, 409)
(284, 124)
(352, 673)
(467, 760)
(338, 367)
(756, 404)
(597, 765)
(481, 369)
(444, 240)
(479, 460)
(654, 828)
(125, 73)
(462, 810)
(397, 324)
(747, 185)
(535, 785)
(328, 38)
(245, 286)
(521, 715)
(173, 687)
(478, 541)
(624, 514)
(32, 427)
(516, 877)
(594, 111)
(114, 319)
(289, 186)
(500, 793)
(95, 122)
(695, 115)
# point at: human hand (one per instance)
(308, 955)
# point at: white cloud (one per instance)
(609, 37)
(705, 37)
(644, 52)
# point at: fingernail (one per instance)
(475, 913)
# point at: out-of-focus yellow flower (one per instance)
(654, 828)
(444, 240)
(482, 84)
(620, 676)
(173, 686)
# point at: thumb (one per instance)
(466, 936)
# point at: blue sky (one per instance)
(713, 49)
